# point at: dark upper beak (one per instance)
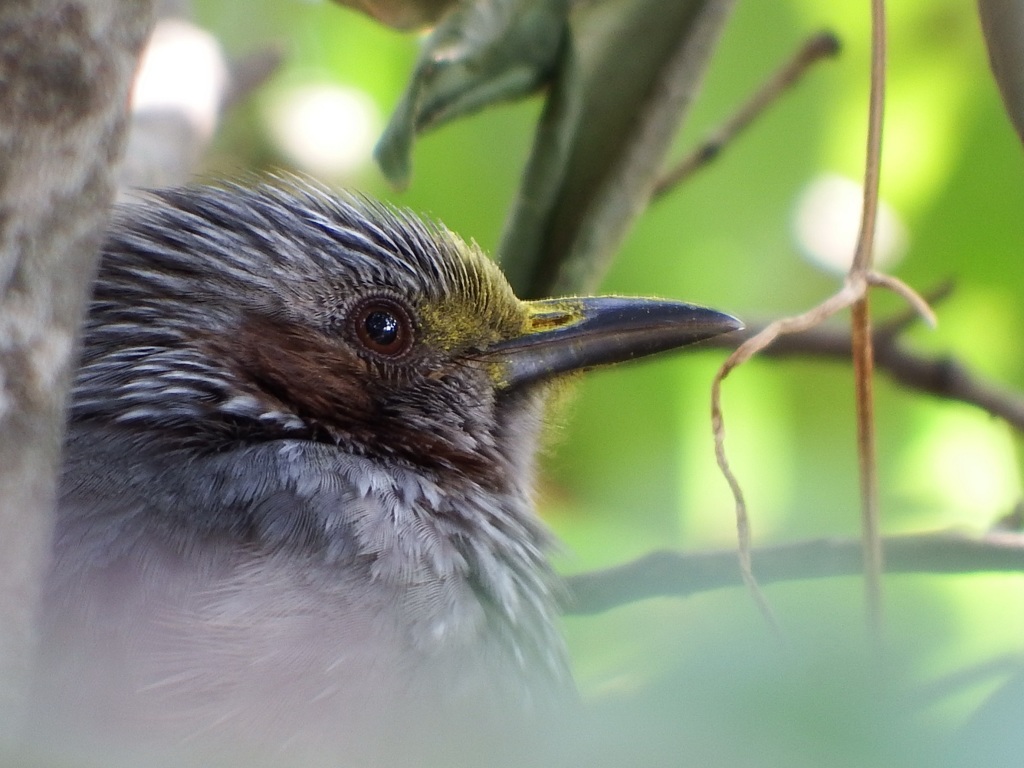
(572, 334)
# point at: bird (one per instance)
(295, 512)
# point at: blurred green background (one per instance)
(630, 466)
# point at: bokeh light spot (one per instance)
(827, 222)
(325, 129)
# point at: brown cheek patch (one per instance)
(297, 371)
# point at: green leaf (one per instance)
(482, 53)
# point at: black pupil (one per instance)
(382, 327)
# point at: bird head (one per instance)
(231, 316)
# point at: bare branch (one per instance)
(679, 574)
(944, 377)
(819, 47)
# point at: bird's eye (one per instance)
(383, 327)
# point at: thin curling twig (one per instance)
(920, 306)
(821, 46)
(837, 302)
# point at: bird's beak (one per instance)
(563, 335)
